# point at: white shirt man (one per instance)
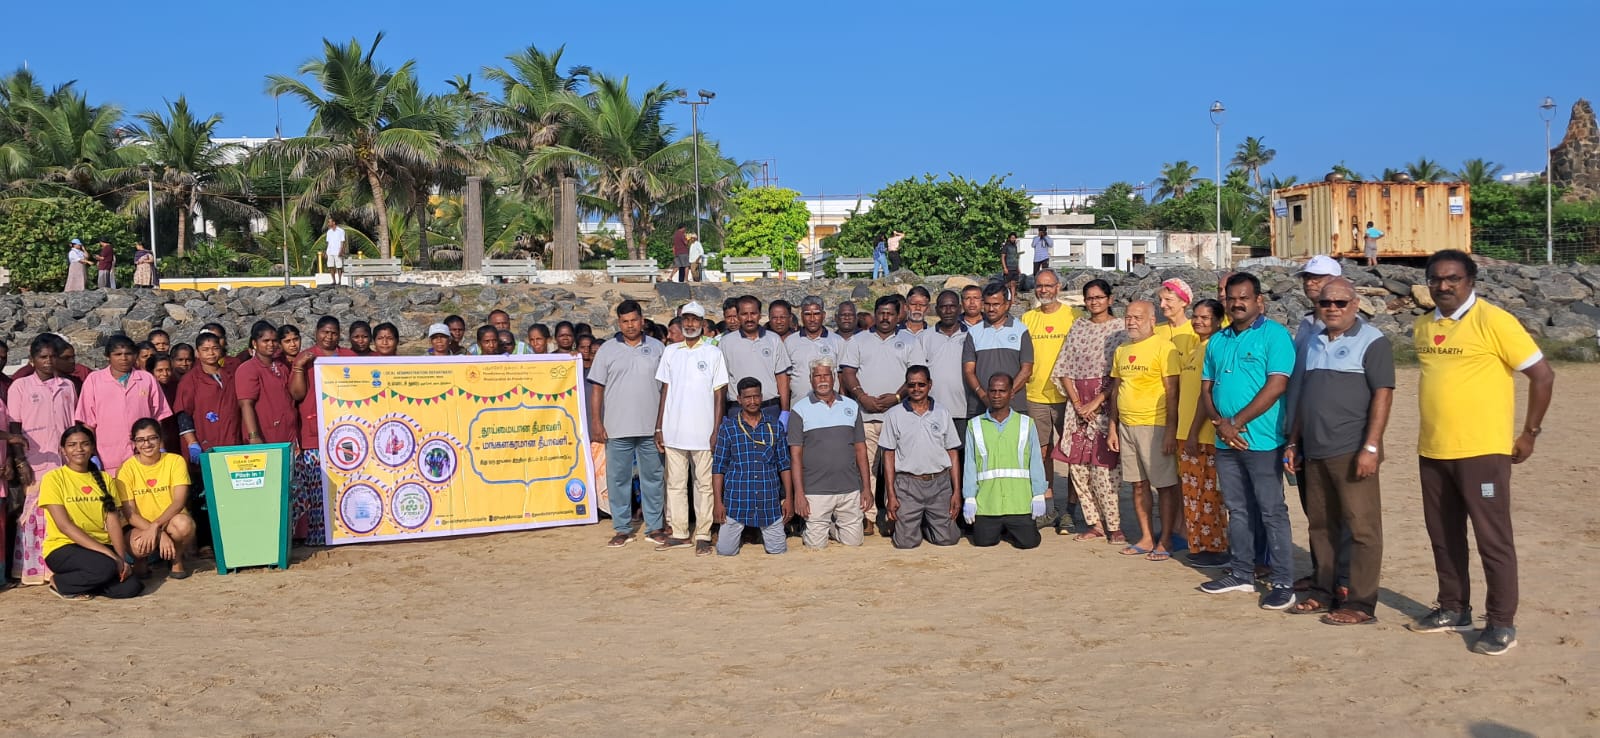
(335, 252)
(692, 375)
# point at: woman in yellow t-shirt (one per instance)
(84, 545)
(1203, 511)
(158, 487)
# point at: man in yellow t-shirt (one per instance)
(1469, 351)
(1048, 324)
(1144, 426)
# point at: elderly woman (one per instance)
(1083, 373)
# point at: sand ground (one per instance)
(548, 632)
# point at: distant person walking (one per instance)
(892, 245)
(76, 256)
(680, 253)
(1042, 248)
(335, 252)
(107, 264)
(697, 258)
(1372, 235)
(1009, 265)
(144, 266)
(880, 258)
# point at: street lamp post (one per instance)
(1547, 111)
(1216, 121)
(283, 200)
(150, 194)
(694, 121)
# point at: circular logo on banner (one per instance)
(411, 505)
(436, 460)
(361, 508)
(347, 447)
(577, 490)
(394, 443)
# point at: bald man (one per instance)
(1144, 391)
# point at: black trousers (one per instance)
(78, 570)
(1020, 529)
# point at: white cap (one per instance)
(438, 329)
(693, 308)
(1322, 265)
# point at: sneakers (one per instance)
(1496, 640)
(672, 543)
(1440, 620)
(1227, 583)
(619, 540)
(1278, 598)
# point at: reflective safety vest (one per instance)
(1005, 484)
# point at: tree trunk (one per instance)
(421, 207)
(183, 223)
(626, 215)
(379, 203)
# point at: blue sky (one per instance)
(848, 96)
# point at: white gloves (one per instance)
(969, 509)
(1038, 506)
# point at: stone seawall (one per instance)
(1557, 304)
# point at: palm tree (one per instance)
(1426, 170)
(622, 150)
(357, 124)
(192, 170)
(1251, 156)
(1273, 182)
(68, 141)
(1479, 171)
(531, 111)
(1176, 178)
(1350, 175)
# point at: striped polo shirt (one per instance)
(827, 434)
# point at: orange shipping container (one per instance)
(1330, 218)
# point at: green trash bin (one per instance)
(247, 491)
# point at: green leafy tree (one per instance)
(771, 222)
(1176, 179)
(34, 235)
(952, 226)
(1119, 206)
(1252, 156)
(1427, 170)
(190, 170)
(1478, 172)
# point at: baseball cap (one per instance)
(1321, 265)
(77, 242)
(438, 329)
(693, 308)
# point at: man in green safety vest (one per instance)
(1002, 480)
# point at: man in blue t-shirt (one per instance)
(1245, 375)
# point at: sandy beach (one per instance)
(549, 632)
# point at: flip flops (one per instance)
(1133, 549)
(1159, 556)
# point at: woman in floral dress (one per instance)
(1083, 373)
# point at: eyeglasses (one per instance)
(1341, 304)
(148, 439)
(1453, 279)
(1096, 297)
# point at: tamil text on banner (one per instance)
(438, 446)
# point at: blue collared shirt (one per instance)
(750, 460)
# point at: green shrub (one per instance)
(34, 235)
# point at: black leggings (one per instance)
(1020, 529)
(79, 570)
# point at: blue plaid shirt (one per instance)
(749, 460)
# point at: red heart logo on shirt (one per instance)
(1438, 340)
(1131, 358)
(87, 490)
(1049, 329)
(149, 482)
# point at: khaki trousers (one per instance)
(875, 468)
(679, 463)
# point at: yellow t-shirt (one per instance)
(1141, 370)
(1049, 332)
(151, 486)
(1184, 339)
(80, 495)
(1466, 394)
(1190, 363)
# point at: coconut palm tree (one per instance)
(1176, 178)
(357, 125)
(530, 113)
(622, 150)
(68, 141)
(1350, 175)
(191, 170)
(1273, 182)
(1252, 155)
(1479, 171)
(1426, 170)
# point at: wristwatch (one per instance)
(1369, 448)
(1533, 431)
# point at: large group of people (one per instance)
(969, 423)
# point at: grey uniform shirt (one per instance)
(632, 394)
(762, 357)
(828, 434)
(881, 363)
(801, 351)
(945, 357)
(1003, 348)
(921, 443)
(1337, 379)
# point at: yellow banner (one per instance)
(418, 447)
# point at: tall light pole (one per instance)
(1216, 121)
(1118, 247)
(283, 200)
(150, 193)
(1547, 111)
(694, 122)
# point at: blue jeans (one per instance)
(880, 265)
(1252, 490)
(621, 453)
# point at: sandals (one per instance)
(1309, 606)
(1344, 616)
(1135, 550)
(1092, 534)
(1158, 555)
(70, 598)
